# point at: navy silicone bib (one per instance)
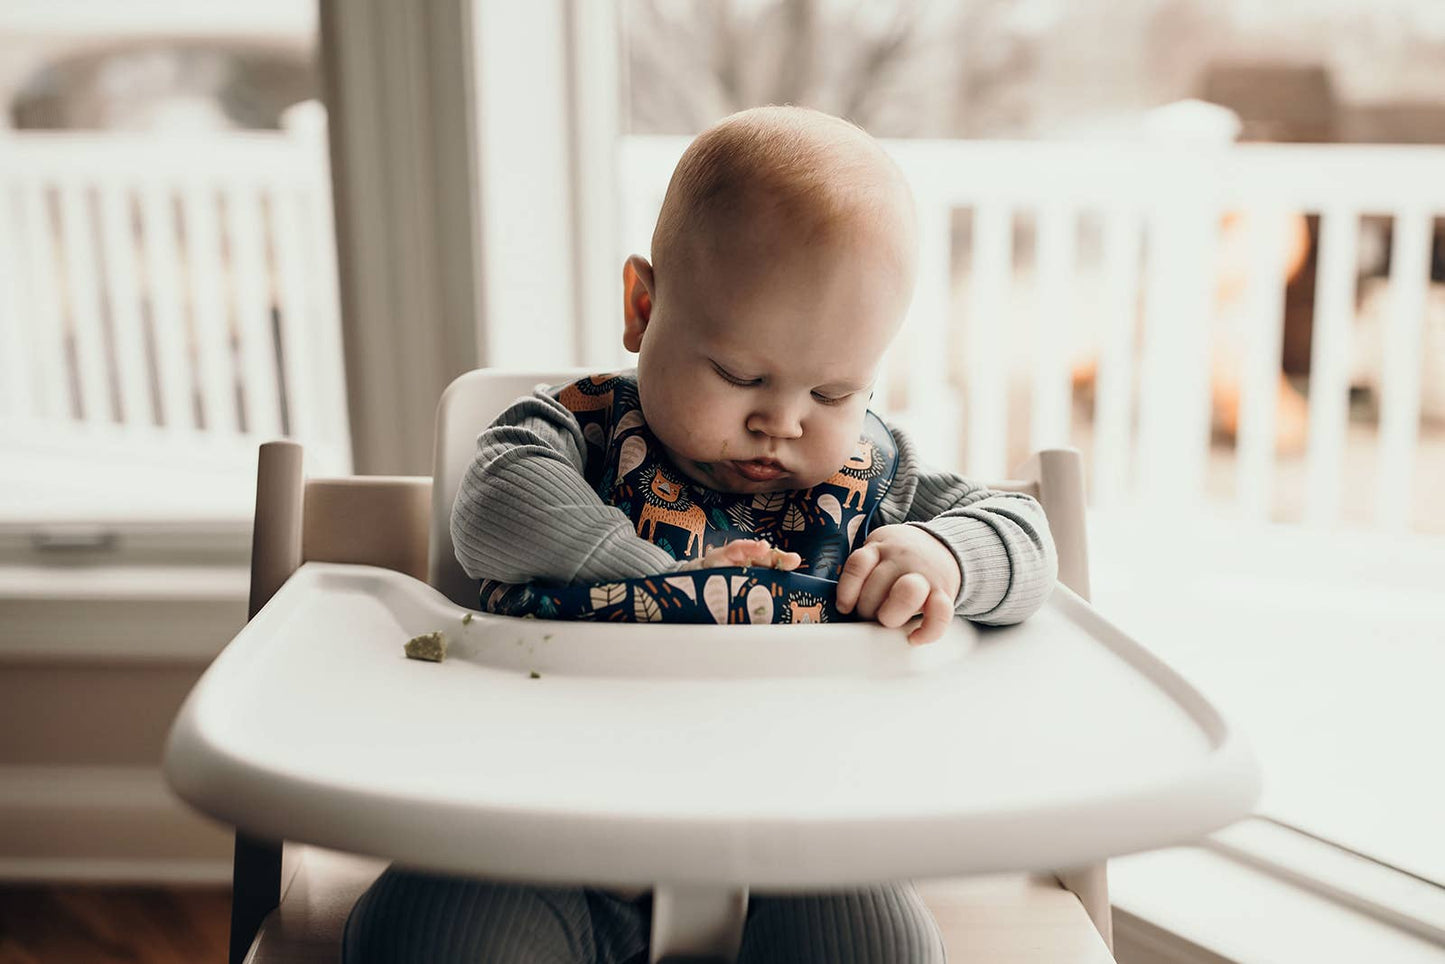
(628, 469)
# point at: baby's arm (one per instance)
(997, 566)
(525, 512)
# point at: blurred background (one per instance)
(1203, 242)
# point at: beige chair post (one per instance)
(1056, 477)
(276, 530)
(259, 866)
(1060, 477)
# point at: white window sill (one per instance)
(1326, 649)
(1206, 905)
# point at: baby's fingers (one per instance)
(739, 552)
(758, 552)
(937, 614)
(904, 599)
(785, 560)
(750, 552)
(854, 575)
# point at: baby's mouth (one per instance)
(759, 470)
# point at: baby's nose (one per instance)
(776, 422)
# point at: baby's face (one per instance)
(758, 358)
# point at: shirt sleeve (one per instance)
(1000, 539)
(524, 511)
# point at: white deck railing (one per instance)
(173, 302)
(1157, 210)
(169, 301)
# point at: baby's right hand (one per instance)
(746, 552)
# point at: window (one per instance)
(1182, 237)
(166, 247)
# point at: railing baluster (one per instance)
(1114, 382)
(990, 280)
(209, 326)
(83, 295)
(1054, 328)
(329, 391)
(253, 302)
(17, 402)
(1329, 363)
(1174, 364)
(641, 200)
(297, 324)
(1400, 377)
(118, 243)
(1263, 319)
(51, 356)
(164, 296)
(932, 405)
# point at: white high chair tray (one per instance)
(771, 756)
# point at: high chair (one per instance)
(291, 900)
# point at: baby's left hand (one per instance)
(899, 572)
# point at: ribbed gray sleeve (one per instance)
(524, 512)
(1001, 539)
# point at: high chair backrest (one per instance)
(467, 406)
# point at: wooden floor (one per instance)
(1013, 919)
(76, 924)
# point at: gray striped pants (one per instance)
(417, 918)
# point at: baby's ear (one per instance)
(636, 301)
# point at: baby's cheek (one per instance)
(699, 418)
(842, 445)
(702, 442)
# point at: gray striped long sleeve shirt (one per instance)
(524, 512)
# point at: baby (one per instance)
(782, 266)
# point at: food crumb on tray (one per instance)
(428, 646)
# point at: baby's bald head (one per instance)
(788, 171)
(782, 267)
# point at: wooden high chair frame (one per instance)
(289, 902)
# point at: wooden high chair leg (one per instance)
(256, 872)
(255, 890)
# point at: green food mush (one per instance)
(466, 619)
(535, 675)
(431, 647)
